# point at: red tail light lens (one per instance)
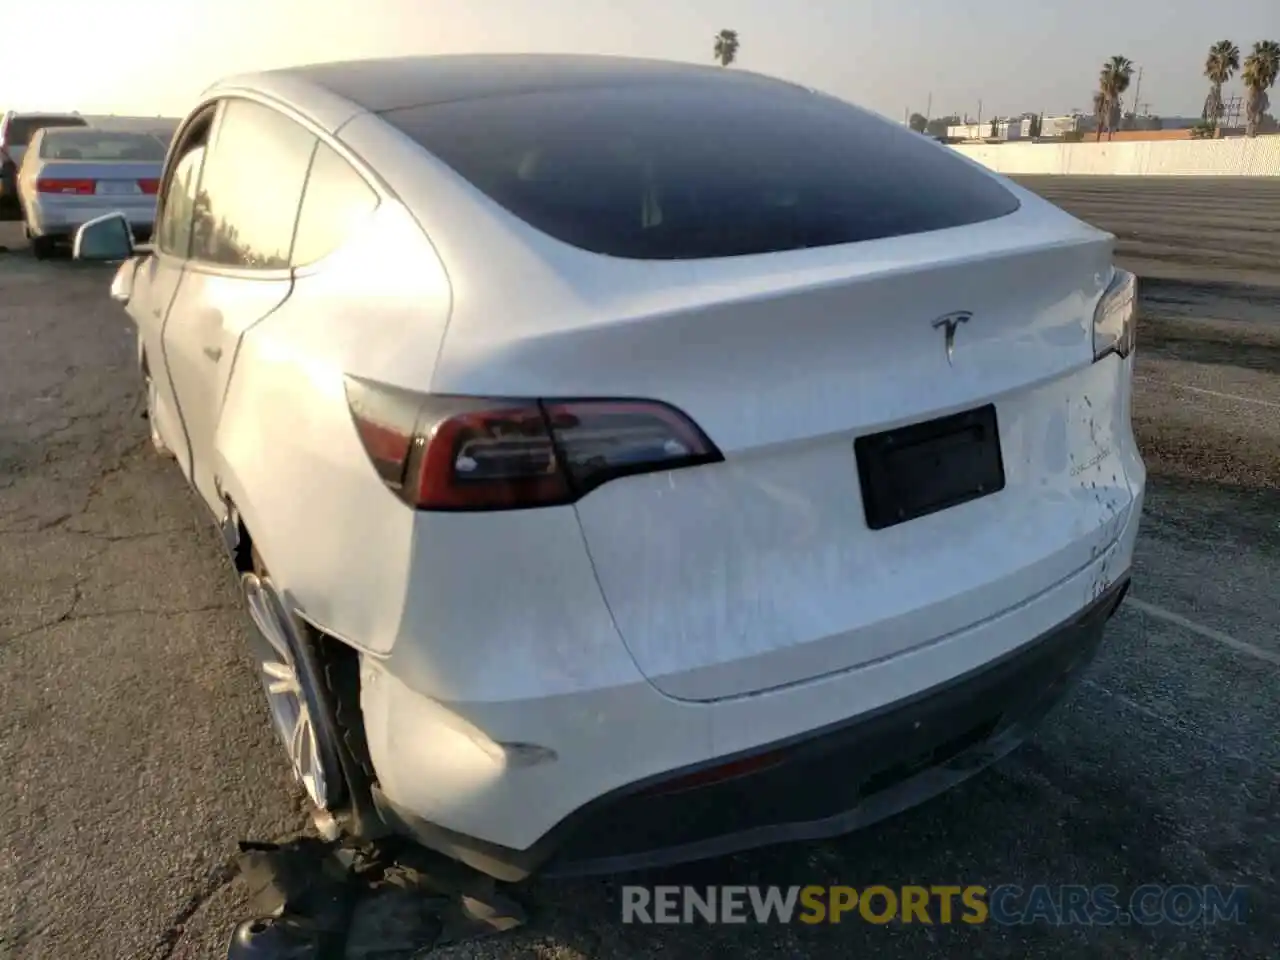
(149, 187)
(463, 453)
(498, 456)
(718, 774)
(76, 187)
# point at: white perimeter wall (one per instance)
(1239, 157)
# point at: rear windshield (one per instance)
(101, 146)
(701, 171)
(17, 133)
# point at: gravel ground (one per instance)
(135, 752)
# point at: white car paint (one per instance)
(674, 617)
(151, 289)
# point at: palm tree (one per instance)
(1260, 70)
(726, 48)
(1221, 64)
(1099, 111)
(1112, 82)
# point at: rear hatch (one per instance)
(784, 269)
(766, 569)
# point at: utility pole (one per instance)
(980, 119)
(1231, 111)
(1137, 94)
(928, 110)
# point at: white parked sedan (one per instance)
(629, 462)
(70, 176)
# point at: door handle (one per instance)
(213, 353)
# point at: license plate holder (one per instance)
(916, 470)
(117, 188)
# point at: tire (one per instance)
(10, 208)
(43, 248)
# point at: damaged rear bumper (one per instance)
(824, 784)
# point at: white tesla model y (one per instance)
(628, 462)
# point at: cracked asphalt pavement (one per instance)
(134, 752)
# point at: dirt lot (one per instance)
(135, 753)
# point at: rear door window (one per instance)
(703, 170)
(254, 172)
(336, 199)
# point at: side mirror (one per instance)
(104, 238)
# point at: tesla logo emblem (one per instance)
(949, 324)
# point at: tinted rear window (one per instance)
(101, 146)
(699, 171)
(19, 129)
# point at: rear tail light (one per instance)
(1115, 320)
(149, 187)
(76, 187)
(465, 453)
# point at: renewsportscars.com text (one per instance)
(1003, 905)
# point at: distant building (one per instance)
(964, 131)
(1178, 123)
(1078, 126)
(1060, 126)
(1016, 128)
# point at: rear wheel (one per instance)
(292, 682)
(10, 209)
(312, 689)
(42, 248)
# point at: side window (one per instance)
(177, 210)
(336, 200)
(251, 188)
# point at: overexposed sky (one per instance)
(155, 56)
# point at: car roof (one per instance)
(50, 114)
(381, 85)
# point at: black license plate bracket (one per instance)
(912, 471)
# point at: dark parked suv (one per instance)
(16, 130)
